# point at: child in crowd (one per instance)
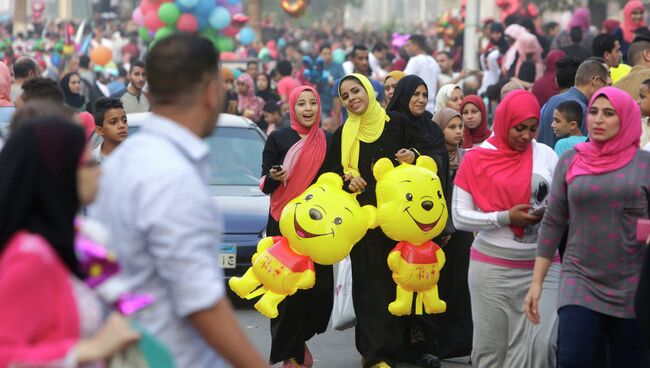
(273, 117)
(644, 105)
(567, 124)
(110, 124)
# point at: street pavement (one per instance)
(333, 349)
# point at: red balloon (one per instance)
(227, 56)
(148, 6)
(230, 31)
(152, 21)
(187, 23)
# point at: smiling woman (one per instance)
(292, 160)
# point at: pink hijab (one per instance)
(304, 159)
(628, 27)
(249, 100)
(581, 18)
(595, 158)
(500, 178)
(528, 44)
(513, 31)
(5, 86)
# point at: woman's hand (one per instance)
(519, 216)
(405, 155)
(357, 184)
(278, 175)
(115, 335)
(531, 302)
(250, 114)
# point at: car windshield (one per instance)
(235, 156)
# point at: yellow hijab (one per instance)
(366, 128)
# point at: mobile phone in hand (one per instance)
(539, 212)
(276, 167)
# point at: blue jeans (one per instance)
(590, 339)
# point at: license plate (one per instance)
(228, 255)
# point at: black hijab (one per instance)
(38, 190)
(74, 100)
(425, 136)
(268, 94)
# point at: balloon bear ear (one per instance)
(371, 213)
(427, 163)
(330, 179)
(382, 166)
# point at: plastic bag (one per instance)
(343, 316)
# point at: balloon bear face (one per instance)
(410, 203)
(325, 222)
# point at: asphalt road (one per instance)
(333, 349)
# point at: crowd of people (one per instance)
(542, 156)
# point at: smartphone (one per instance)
(276, 167)
(642, 230)
(539, 212)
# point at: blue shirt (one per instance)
(546, 134)
(568, 143)
(376, 86)
(326, 99)
(165, 230)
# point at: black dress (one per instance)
(307, 312)
(379, 335)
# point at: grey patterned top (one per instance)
(602, 261)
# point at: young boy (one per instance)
(273, 117)
(110, 124)
(567, 124)
(644, 105)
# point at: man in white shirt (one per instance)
(375, 58)
(447, 74)
(424, 66)
(164, 224)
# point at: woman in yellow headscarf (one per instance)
(368, 134)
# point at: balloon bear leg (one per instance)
(242, 286)
(403, 302)
(268, 304)
(432, 302)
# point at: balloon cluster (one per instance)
(448, 27)
(294, 8)
(315, 72)
(37, 10)
(218, 20)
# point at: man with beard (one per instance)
(133, 99)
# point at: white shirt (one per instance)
(377, 71)
(165, 230)
(348, 67)
(491, 230)
(427, 68)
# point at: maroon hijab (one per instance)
(481, 132)
(546, 87)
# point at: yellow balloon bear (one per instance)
(321, 225)
(412, 210)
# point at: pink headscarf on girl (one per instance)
(581, 18)
(595, 158)
(528, 44)
(628, 27)
(5, 86)
(249, 101)
(304, 159)
(513, 31)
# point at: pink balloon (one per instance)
(152, 22)
(230, 31)
(138, 16)
(187, 23)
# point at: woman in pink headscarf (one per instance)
(248, 104)
(581, 18)
(633, 19)
(293, 158)
(603, 185)
(546, 86)
(513, 32)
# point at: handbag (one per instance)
(343, 316)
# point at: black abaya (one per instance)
(379, 335)
(307, 312)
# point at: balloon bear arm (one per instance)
(440, 254)
(263, 245)
(393, 260)
(300, 280)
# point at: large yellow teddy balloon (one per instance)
(321, 225)
(412, 210)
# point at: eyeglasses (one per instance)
(604, 82)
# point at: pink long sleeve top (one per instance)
(39, 319)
